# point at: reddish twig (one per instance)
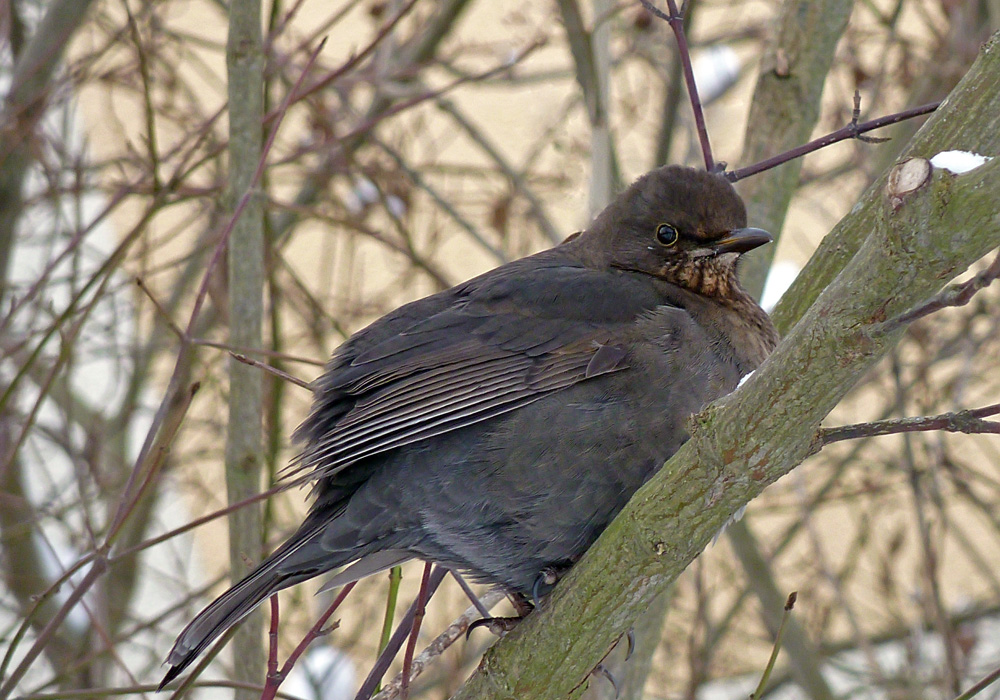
(398, 637)
(968, 421)
(676, 21)
(411, 643)
(990, 678)
(851, 131)
(275, 678)
(455, 631)
(956, 295)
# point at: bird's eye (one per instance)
(666, 234)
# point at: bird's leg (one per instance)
(522, 606)
(502, 625)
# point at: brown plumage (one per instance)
(497, 427)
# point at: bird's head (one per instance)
(681, 225)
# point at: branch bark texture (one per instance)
(908, 248)
(245, 63)
(783, 113)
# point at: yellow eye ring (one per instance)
(666, 235)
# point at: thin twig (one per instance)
(161, 312)
(240, 357)
(956, 295)
(968, 421)
(986, 681)
(395, 578)
(676, 21)
(272, 643)
(398, 637)
(316, 631)
(257, 351)
(455, 631)
(411, 643)
(789, 604)
(470, 594)
(851, 131)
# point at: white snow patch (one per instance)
(959, 162)
(779, 279)
(734, 518)
(715, 71)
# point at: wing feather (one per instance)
(472, 353)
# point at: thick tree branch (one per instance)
(973, 126)
(244, 437)
(783, 113)
(749, 439)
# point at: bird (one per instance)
(497, 427)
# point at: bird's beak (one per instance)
(741, 240)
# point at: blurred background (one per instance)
(429, 142)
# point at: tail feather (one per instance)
(236, 603)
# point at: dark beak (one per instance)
(741, 240)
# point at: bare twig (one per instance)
(316, 631)
(398, 638)
(789, 604)
(455, 631)
(987, 680)
(956, 295)
(411, 642)
(851, 131)
(470, 594)
(968, 421)
(161, 312)
(240, 357)
(272, 643)
(676, 21)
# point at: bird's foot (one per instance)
(546, 579)
(499, 626)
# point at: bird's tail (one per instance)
(274, 573)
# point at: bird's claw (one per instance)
(547, 577)
(602, 669)
(630, 638)
(497, 625)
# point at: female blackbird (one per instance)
(499, 426)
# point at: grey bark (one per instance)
(783, 114)
(908, 246)
(244, 443)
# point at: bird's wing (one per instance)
(477, 351)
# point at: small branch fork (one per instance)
(403, 630)
(853, 130)
(274, 676)
(955, 295)
(968, 421)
